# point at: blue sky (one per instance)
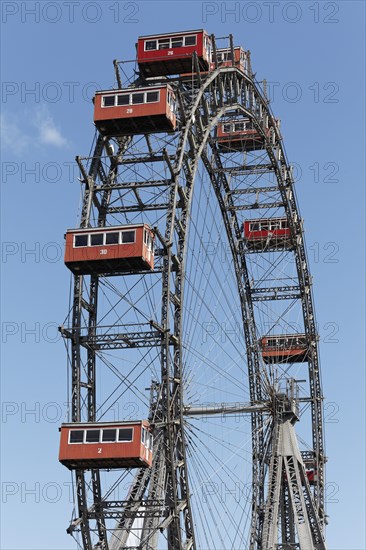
(54, 56)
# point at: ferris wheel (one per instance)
(196, 402)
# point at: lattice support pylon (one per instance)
(287, 473)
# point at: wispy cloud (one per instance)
(17, 134)
(49, 134)
(12, 137)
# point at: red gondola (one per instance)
(285, 348)
(224, 59)
(106, 445)
(271, 233)
(241, 58)
(163, 54)
(109, 249)
(310, 467)
(135, 111)
(311, 475)
(239, 135)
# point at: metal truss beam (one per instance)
(276, 293)
(224, 409)
(273, 297)
(137, 208)
(253, 190)
(245, 168)
(256, 206)
(145, 160)
(122, 340)
(134, 185)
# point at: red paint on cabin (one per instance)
(164, 54)
(239, 135)
(108, 250)
(135, 111)
(241, 58)
(311, 475)
(284, 348)
(241, 61)
(263, 233)
(106, 445)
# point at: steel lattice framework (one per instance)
(152, 177)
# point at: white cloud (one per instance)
(18, 135)
(49, 134)
(12, 136)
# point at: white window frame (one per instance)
(96, 233)
(101, 430)
(145, 98)
(251, 226)
(115, 441)
(182, 38)
(76, 430)
(108, 106)
(92, 442)
(132, 437)
(112, 244)
(171, 100)
(169, 39)
(164, 40)
(130, 94)
(150, 40)
(81, 235)
(271, 344)
(241, 129)
(273, 223)
(190, 36)
(134, 94)
(125, 231)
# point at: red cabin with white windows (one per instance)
(239, 135)
(106, 445)
(241, 58)
(308, 459)
(135, 111)
(311, 475)
(164, 54)
(267, 234)
(310, 472)
(224, 59)
(109, 250)
(285, 348)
